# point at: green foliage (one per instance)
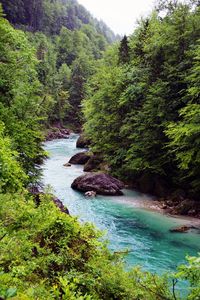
(143, 113)
(46, 254)
(20, 108)
(11, 174)
(61, 32)
(191, 273)
(124, 55)
(49, 16)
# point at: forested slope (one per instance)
(142, 108)
(68, 41)
(49, 16)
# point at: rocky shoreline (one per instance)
(176, 206)
(57, 132)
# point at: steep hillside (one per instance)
(142, 108)
(68, 41)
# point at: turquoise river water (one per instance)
(127, 221)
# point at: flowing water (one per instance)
(128, 225)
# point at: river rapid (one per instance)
(127, 222)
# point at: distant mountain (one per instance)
(49, 16)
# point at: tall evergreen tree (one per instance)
(124, 51)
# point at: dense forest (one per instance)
(139, 100)
(67, 41)
(142, 105)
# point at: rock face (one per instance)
(102, 184)
(82, 142)
(93, 164)
(79, 158)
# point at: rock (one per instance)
(61, 206)
(164, 206)
(182, 229)
(90, 194)
(184, 207)
(82, 142)
(101, 183)
(93, 164)
(57, 133)
(37, 193)
(67, 165)
(80, 158)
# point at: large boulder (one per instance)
(82, 142)
(101, 183)
(93, 164)
(80, 158)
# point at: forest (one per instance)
(136, 99)
(142, 105)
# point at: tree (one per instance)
(19, 97)
(130, 105)
(124, 51)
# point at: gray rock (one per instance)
(100, 183)
(79, 158)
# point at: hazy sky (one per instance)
(119, 15)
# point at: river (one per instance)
(143, 232)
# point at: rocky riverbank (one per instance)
(174, 204)
(57, 132)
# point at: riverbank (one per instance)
(151, 204)
(174, 205)
(146, 233)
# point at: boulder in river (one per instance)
(80, 158)
(82, 142)
(101, 183)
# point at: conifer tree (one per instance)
(124, 51)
